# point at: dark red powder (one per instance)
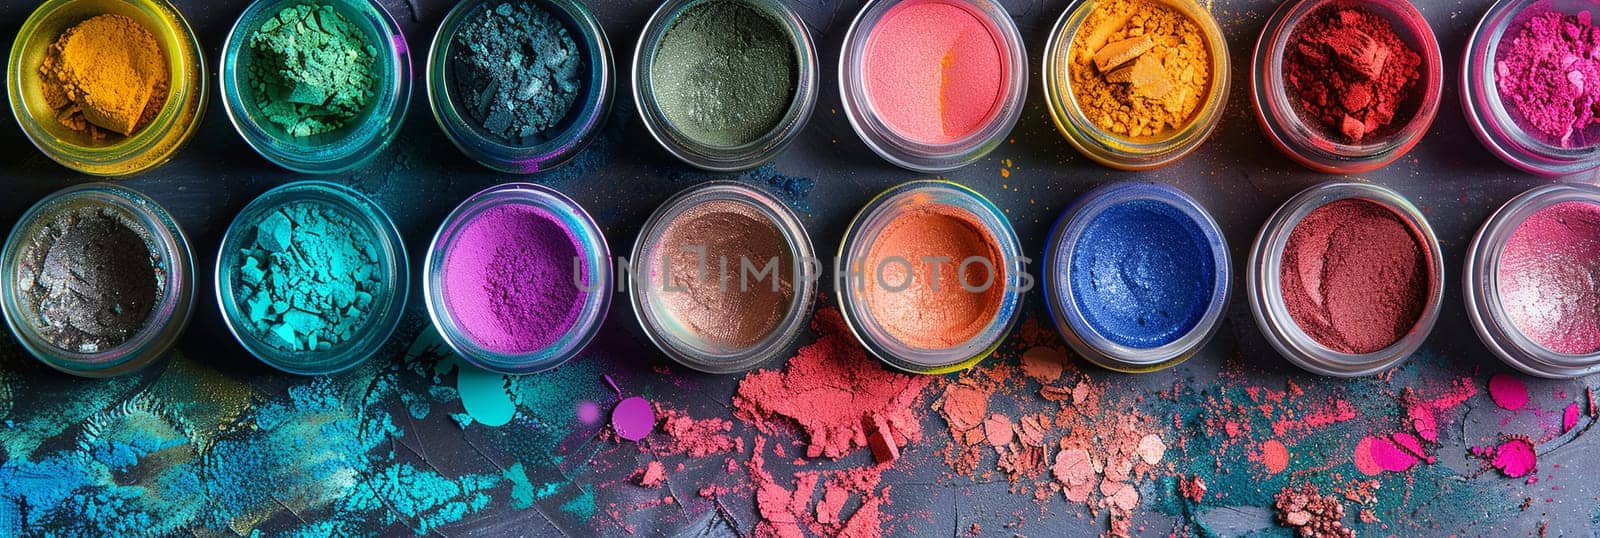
(1347, 71)
(1354, 276)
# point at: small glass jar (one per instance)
(850, 276)
(385, 310)
(1114, 150)
(1491, 117)
(915, 155)
(169, 254)
(1481, 286)
(743, 156)
(155, 143)
(1309, 144)
(648, 289)
(560, 143)
(363, 136)
(596, 257)
(1065, 309)
(1271, 311)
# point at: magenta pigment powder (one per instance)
(510, 280)
(1548, 74)
(1547, 277)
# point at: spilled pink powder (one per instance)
(1515, 458)
(1383, 455)
(1508, 391)
(1547, 281)
(934, 71)
(1569, 418)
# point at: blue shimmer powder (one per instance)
(1142, 273)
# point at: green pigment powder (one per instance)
(308, 280)
(724, 73)
(517, 72)
(311, 70)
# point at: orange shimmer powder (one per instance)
(920, 315)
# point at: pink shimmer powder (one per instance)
(934, 71)
(1548, 280)
(508, 279)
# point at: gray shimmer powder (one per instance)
(89, 278)
(724, 73)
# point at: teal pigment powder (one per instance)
(724, 73)
(308, 279)
(508, 278)
(1142, 273)
(311, 70)
(516, 71)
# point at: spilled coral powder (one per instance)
(934, 71)
(1548, 72)
(1355, 276)
(826, 390)
(1547, 277)
(1348, 72)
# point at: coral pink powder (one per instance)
(934, 71)
(1548, 277)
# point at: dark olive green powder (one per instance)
(724, 73)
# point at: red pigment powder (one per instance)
(1347, 71)
(827, 389)
(1548, 72)
(1354, 276)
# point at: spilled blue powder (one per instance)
(1142, 273)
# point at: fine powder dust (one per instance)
(928, 314)
(1354, 276)
(1548, 72)
(934, 71)
(1547, 277)
(508, 279)
(1348, 72)
(723, 305)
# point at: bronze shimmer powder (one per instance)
(923, 315)
(719, 304)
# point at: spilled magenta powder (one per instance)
(508, 279)
(1548, 280)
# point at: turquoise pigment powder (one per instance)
(1142, 273)
(509, 282)
(310, 69)
(516, 70)
(308, 280)
(724, 73)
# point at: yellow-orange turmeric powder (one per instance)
(1140, 69)
(105, 75)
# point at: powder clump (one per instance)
(1349, 73)
(1547, 283)
(89, 279)
(724, 73)
(311, 70)
(509, 278)
(1354, 276)
(106, 75)
(1548, 69)
(1140, 69)
(517, 69)
(309, 278)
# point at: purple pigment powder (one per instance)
(508, 279)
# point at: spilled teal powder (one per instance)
(483, 394)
